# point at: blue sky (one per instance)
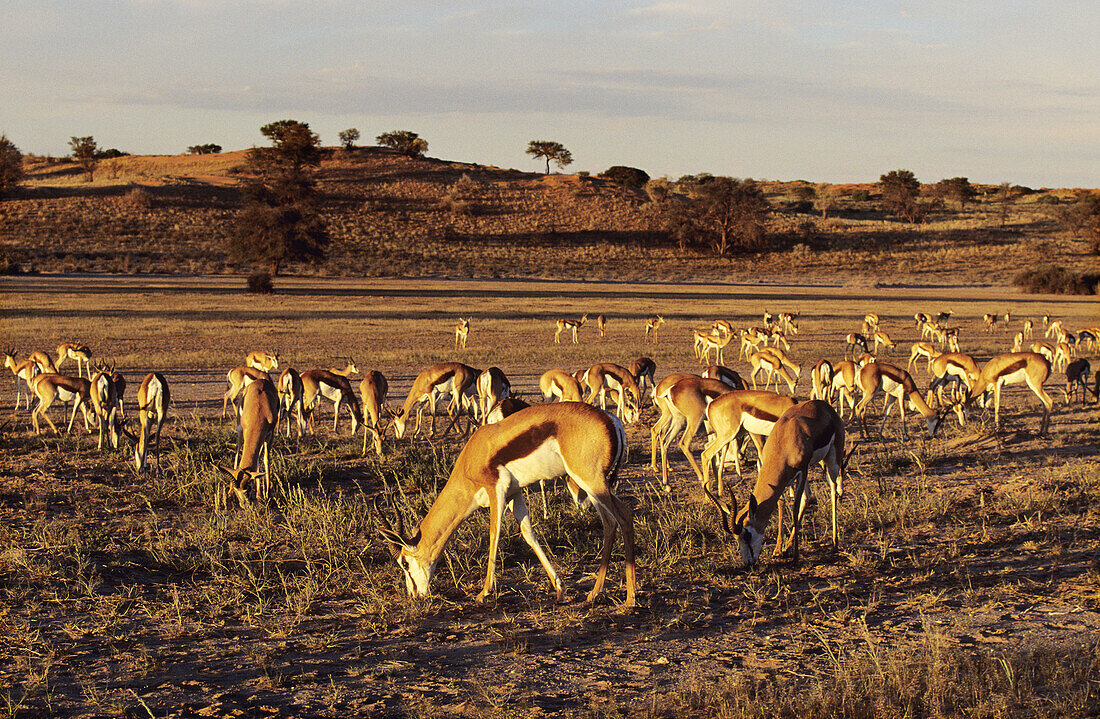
(840, 91)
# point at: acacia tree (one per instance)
(404, 141)
(550, 151)
(956, 189)
(349, 137)
(900, 189)
(826, 199)
(11, 165)
(722, 213)
(84, 151)
(279, 221)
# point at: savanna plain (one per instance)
(966, 581)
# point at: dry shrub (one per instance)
(138, 199)
(260, 283)
(1056, 280)
(456, 205)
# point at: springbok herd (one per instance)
(518, 444)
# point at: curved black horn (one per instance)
(723, 512)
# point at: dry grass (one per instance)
(392, 216)
(964, 585)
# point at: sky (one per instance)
(824, 91)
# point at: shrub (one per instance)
(208, 149)
(628, 176)
(138, 199)
(1056, 280)
(455, 205)
(404, 141)
(260, 283)
(861, 196)
(1049, 200)
(11, 165)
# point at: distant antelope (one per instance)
(601, 323)
(853, 340)
(462, 331)
(881, 338)
(651, 327)
(571, 325)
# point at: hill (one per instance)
(390, 215)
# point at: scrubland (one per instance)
(966, 583)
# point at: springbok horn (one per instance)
(844, 464)
(723, 512)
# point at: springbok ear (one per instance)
(752, 506)
(226, 470)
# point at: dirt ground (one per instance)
(991, 545)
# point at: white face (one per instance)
(933, 424)
(750, 542)
(417, 575)
(399, 427)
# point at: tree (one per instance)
(827, 199)
(279, 221)
(11, 165)
(956, 189)
(1082, 217)
(84, 152)
(550, 150)
(900, 190)
(406, 142)
(1004, 199)
(348, 138)
(208, 149)
(723, 213)
(629, 176)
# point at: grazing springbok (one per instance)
(373, 389)
(1013, 368)
(50, 387)
(805, 435)
(542, 442)
(257, 421)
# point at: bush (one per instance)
(1049, 200)
(208, 149)
(138, 199)
(455, 205)
(628, 176)
(404, 141)
(861, 196)
(259, 283)
(11, 165)
(1056, 280)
